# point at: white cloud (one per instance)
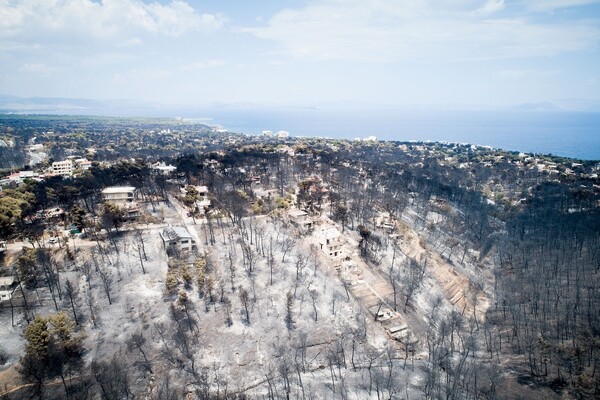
(105, 19)
(523, 74)
(489, 8)
(550, 5)
(204, 64)
(387, 30)
(131, 42)
(36, 69)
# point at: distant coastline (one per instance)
(567, 134)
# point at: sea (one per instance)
(560, 133)
(569, 134)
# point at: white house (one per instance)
(386, 222)
(64, 168)
(330, 242)
(179, 238)
(7, 287)
(202, 191)
(18, 177)
(203, 200)
(163, 168)
(119, 194)
(27, 174)
(83, 163)
(300, 219)
(261, 193)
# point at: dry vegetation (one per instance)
(430, 289)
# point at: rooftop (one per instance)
(297, 213)
(176, 232)
(7, 280)
(329, 233)
(118, 189)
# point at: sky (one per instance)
(302, 53)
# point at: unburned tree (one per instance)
(52, 349)
(111, 217)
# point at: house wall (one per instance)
(119, 197)
(6, 290)
(5, 295)
(186, 244)
(62, 167)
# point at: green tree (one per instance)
(365, 235)
(76, 216)
(304, 197)
(52, 349)
(191, 196)
(12, 205)
(111, 217)
(340, 214)
(27, 267)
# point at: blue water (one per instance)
(570, 134)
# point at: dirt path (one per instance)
(10, 381)
(455, 285)
(372, 291)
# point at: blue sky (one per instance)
(303, 53)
